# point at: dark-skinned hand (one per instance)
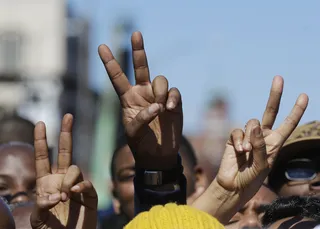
(152, 113)
(64, 200)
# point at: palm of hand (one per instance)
(64, 200)
(237, 171)
(47, 186)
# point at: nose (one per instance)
(250, 222)
(20, 197)
(315, 184)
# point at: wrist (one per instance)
(158, 163)
(154, 178)
(219, 202)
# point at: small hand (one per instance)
(64, 200)
(152, 114)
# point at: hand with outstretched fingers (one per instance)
(249, 156)
(63, 199)
(152, 113)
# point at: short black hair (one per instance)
(296, 206)
(16, 128)
(187, 151)
(185, 145)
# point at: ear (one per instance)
(115, 201)
(202, 182)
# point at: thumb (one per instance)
(143, 118)
(258, 149)
(41, 209)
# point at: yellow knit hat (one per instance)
(172, 216)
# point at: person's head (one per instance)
(292, 213)
(196, 179)
(123, 172)
(17, 172)
(21, 214)
(6, 219)
(296, 171)
(250, 215)
(172, 216)
(17, 129)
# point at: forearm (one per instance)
(219, 202)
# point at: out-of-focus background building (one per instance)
(221, 56)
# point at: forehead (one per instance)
(264, 196)
(124, 158)
(13, 154)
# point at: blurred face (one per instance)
(6, 219)
(250, 215)
(301, 176)
(123, 188)
(294, 223)
(17, 173)
(123, 182)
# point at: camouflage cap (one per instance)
(306, 132)
(303, 140)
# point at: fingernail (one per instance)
(153, 108)
(64, 196)
(240, 146)
(257, 131)
(170, 105)
(75, 188)
(54, 197)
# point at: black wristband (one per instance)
(159, 177)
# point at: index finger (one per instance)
(119, 80)
(293, 119)
(41, 151)
(272, 108)
(65, 144)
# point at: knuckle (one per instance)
(117, 75)
(290, 120)
(272, 110)
(259, 144)
(253, 121)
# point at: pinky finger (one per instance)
(84, 187)
(174, 102)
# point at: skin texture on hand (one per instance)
(249, 156)
(152, 113)
(63, 199)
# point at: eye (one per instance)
(127, 177)
(3, 187)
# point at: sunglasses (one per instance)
(301, 170)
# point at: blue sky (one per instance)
(236, 48)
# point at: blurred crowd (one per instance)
(261, 177)
(60, 141)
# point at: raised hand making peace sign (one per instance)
(64, 199)
(249, 155)
(152, 114)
